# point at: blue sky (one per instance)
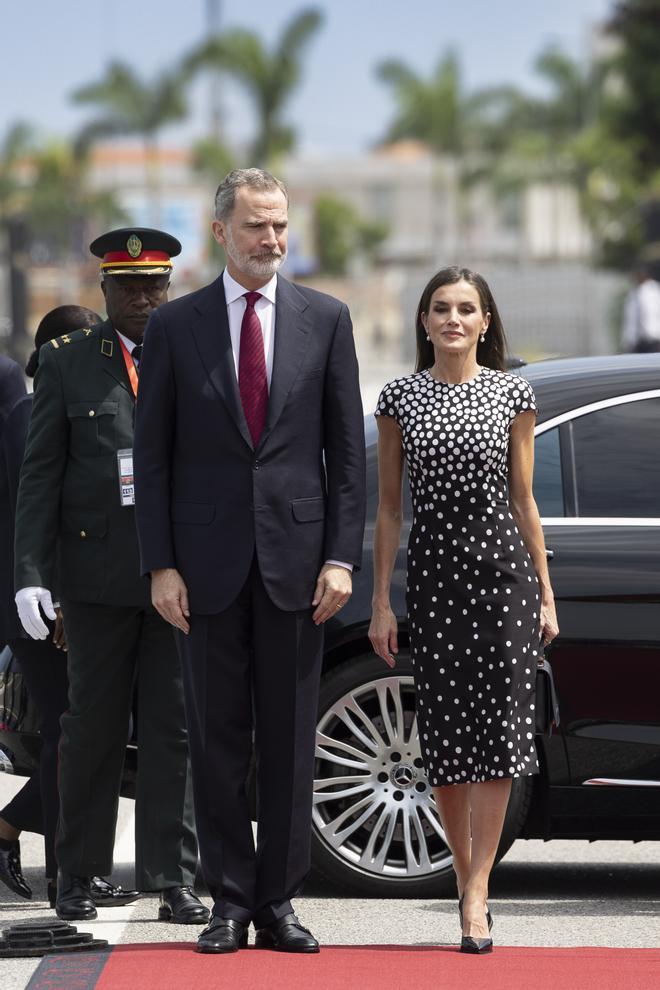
(48, 49)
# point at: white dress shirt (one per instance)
(641, 320)
(265, 310)
(128, 344)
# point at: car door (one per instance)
(598, 490)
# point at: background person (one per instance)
(478, 589)
(35, 807)
(82, 418)
(12, 386)
(250, 474)
(641, 314)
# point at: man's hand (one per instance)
(28, 601)
(334, 587)
(59, 639)
(169, 597)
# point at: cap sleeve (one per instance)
(522, 398)
(387, 404)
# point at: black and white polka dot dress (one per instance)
(473, 596)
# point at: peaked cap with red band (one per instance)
(135, 251)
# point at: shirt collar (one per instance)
(234, 290)
(128, 344)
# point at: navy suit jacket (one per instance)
(206, 499)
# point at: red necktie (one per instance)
(252, 378)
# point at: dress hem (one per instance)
(483, 780)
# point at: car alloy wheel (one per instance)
(373, 805)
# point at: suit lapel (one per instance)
(291, 340)
(111, 356)
(211, 334)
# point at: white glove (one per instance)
(28, 601)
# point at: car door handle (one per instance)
(549, 553)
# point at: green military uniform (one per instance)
(74, 536)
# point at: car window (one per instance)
(616, 460)
(548, 485)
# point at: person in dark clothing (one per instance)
(12, 386)
(81, 542)
(35, 807)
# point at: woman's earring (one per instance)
(482, 338)
(428, 338)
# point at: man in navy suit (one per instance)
(250, 500)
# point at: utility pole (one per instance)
(213, 21)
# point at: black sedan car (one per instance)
(597, 485)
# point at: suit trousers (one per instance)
(36, 806)
(114, 653)
(253, 667)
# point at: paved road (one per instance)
(556, 893)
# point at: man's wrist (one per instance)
(340, 563)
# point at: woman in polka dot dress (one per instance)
(479, 596)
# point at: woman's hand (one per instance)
(59, 638)
(549, 624)
(383, 632)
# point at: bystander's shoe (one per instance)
(181, 906)
(286, 935)
(11, 872)
(74, 898)
(104, 894)
(223, 935)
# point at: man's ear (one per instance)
(218, 229)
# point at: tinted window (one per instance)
(617, 460)
(548, 487)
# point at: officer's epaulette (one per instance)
(71, 338)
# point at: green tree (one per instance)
(60, 205)
(270, 77)
(130, 105)
(428, 110)
(15, 149)
(341, 234)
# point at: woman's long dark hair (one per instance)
(490, 354)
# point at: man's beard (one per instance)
(261, 266)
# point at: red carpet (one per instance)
(386, 967)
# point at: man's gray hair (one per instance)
(256, 178)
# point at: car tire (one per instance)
(351, 697)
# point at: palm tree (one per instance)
(429, 110)
(130, 105)
(270, 77)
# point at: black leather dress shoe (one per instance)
(10, 868)
(286, 935)
(181, 906)
(105, 894)
(74, 898)
(223, 935)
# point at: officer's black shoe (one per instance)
(10, 868)
(223, 935)
(286, 935)
(74, 898)
(105, 894)
(181, 906)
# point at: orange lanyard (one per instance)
(130, 367)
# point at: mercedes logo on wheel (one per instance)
(403, 775)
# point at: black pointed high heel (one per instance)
(476, 946)
(489, 917)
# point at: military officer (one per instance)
(75, 537)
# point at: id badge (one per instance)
(126, 480)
